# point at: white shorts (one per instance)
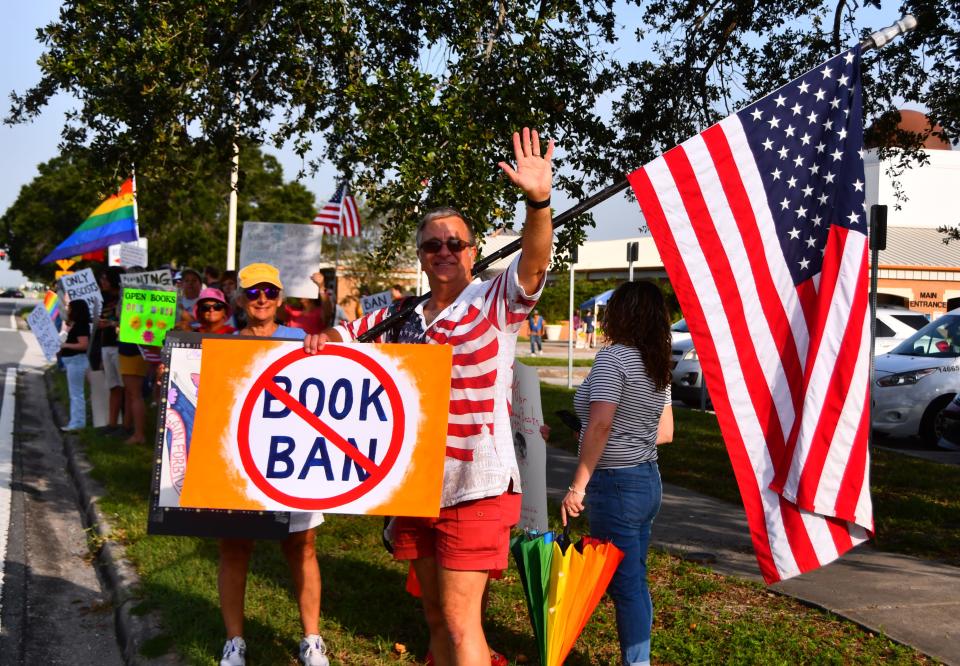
(301, 521)
(111, 366)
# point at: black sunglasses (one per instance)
(207, 307)
(253, 293)
(455, 245)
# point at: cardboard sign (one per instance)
(147, 315)
(46, 333)
(129, 254)
(83, 285)
(375, 301)
(175, 417)
(526, 417)
(293, 248)
(352, 429)
(161, 279)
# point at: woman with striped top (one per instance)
(624, 405)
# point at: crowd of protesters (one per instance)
(452, 556)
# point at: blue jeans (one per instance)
(621, 505)
(76, 367)
(535, 343)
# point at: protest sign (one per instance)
(293, 248)
(375, 301)
(351, 429)
(83, 285)
(46, 333)
(175, 418)
(129, 254)
(161, 279)
(147, 315)
(526, 417)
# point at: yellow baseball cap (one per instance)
(254, 274)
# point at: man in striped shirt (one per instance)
(453, 554)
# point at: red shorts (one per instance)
(470, 536)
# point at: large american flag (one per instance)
(762, 227)
(339, 215)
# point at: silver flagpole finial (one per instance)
(881, 37)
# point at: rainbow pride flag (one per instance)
(51, 303)
(114, 221)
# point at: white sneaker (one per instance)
(234, 652)
(313, 652)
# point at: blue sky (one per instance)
(23, 147)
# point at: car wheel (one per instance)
(931, 425)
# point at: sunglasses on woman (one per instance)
(455, 245)
(216, 306)
(253, 293)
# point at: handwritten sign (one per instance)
(293, 248)
(375, 301)
(161, 279)
(352, 429)
(46, 333)
(129, 254)
(147, 315)
(83, 285)
(526, 417)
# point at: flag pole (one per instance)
(506, 250)
(876, 40)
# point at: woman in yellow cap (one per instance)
(260, 295)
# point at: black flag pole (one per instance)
(875, 41)
(505, 251)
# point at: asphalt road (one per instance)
(52, 607)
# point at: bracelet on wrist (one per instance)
(538, 205)
(576, 492)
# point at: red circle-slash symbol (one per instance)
(376, 472)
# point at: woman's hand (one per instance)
(572, 504)
(314, 342)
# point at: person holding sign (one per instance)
(73, 353)
(453, 554)
(212, 312)
(261, 294)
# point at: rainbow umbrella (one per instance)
(563, 585)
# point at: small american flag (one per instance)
(761, 224)
(339, 215)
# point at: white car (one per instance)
(894, 325)
(914, 382)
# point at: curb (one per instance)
(117, 574)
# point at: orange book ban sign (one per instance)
(353, 429)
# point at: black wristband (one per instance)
(538, 205)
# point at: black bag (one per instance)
(95, 348)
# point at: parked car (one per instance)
(950, 420)
(11, 293)
(680, 335)
(915, 382)
(894, 325)
(687, 381)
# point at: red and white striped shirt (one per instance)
(482, 325)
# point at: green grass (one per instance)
(701, 617)
(551, 361)
(916, 502)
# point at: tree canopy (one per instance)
(185, 221)
(414, 102)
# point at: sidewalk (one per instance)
(913, 601)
